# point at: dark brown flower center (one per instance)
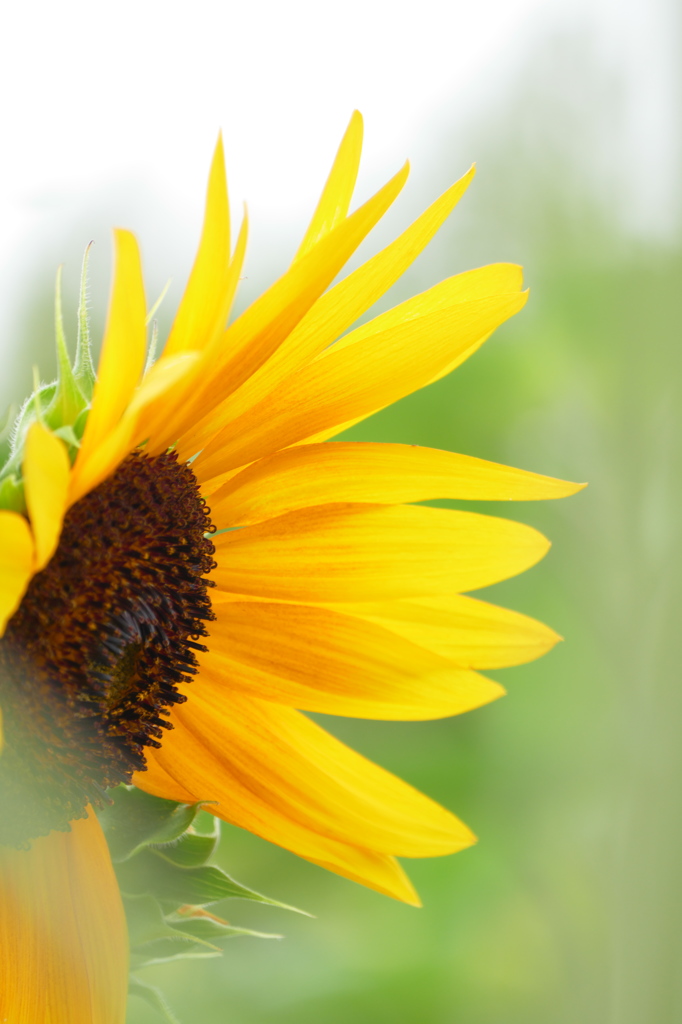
(91, 662)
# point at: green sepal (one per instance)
(153, 940)
(135, 819)
(147, 924)
(153, 997)
(6, 432)
(12, 493)
(192, 848)
(151, 872)
(79, 423)
(165, 882)
(61, 406)
(68, 399)
(72, 443)
(83, 367)
(210, 928)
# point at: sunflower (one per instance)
(188, 520)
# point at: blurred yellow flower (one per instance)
(324, 589)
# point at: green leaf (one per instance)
(153, 998)
(134, 819)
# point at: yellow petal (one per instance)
(163, 420)
(469, 632)
(161, 387)
(510, 275)
(122, 358)
(17, 563)
(279, 775)
(355, 379)
(353, 553)
(210, 775)
(338, 190)
(317, 781)
(262, 328)
(489, 282)
(319, 659)
(204, 306)
(46, 472)
(63, 941)
(340, 307)
(345, 471)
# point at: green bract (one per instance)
(61, 406)
(166, 882)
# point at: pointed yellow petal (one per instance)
(204, 307)
(353, 553)
(315, 780)
(161, 387)
(262, 328)
(17, 563)
(123, 354)
(341, 306)
(279, 775)
(351, 379)
(319, 659)
(46, 472)
(507, 274)
(210, 775)
(338, 191)
(345, 471)
(469, 632)
(63, 941)
(163, 420)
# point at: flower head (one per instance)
(188, 522)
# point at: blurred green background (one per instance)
(568, 908)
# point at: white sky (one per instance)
(94, 94)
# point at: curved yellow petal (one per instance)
(162, 386)
(490, 282)
(352, 380)
(471, 633)
(163, 420)
(346, 471)
(278, 755)
(338, 190)
(209, 775)
(274, 772)
(122, 359)
(17, 563)
(320, 659)
(337, 310)
(46, 471)
(204, 307)
(353, 553)
(261, 329)
(63, 940)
